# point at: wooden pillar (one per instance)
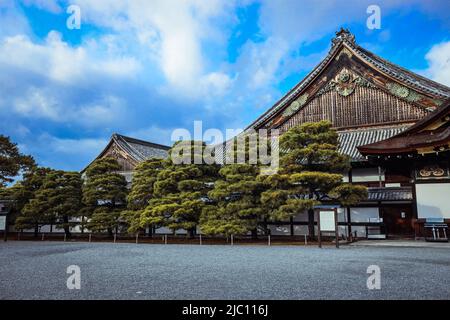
(319, 238)
(380, 181)
(311, 223)
(336, 227)
(291, 221)
(349, 222)
(5, 234)
(349, 214)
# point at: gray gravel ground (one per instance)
(37, 270)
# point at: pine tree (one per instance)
(12, 194)
(12, 162)
(23, 194)
(142, 191)
(310, 173)
(61, 196)
(181, 189)
(237, 208)
(104, 194)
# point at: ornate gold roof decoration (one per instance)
(345, 83)
(296, 105)
(403, 92)
(343, 35)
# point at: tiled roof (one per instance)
(345, 38)
(141, 150)
(430, 132)
(390, 194)
(350, 139)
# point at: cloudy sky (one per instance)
(145, 67)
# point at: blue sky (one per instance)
(146, 67)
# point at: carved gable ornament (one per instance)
(344, 51)
(345, 83)
(296, 105)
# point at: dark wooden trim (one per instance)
(291, 221)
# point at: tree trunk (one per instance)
(254, 234)
(36, 230)
(82, 224)
(191, 233)
(66, 227)
(266, 229)
(150, 231)
(311, 224)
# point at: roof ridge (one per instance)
(128, 139)
(305, 80)
(442, 87)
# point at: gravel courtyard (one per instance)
(37, 270)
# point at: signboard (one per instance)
(327, 222)
(2, 223)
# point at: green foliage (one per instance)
(348, 194)
(142, 191)
(104, 218)
(104, 194)
(309, 174)
(12, 162)
(56, 200)
(236, 196)
(14, 194)
(23, 192)
(144, 178)
(180, 190)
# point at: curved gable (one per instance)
(352, 87)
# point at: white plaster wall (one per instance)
(433, 200)
(366, 174)
(363, 214)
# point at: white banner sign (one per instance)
(327, 222)
(2, 223)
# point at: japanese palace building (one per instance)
(368, 100)
(393, 123)
(130, 151)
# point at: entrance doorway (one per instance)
(399, 220)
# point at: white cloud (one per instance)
(45, 103)
(49, 5)
(74, 146)
(58, 61)
(63, 153)
(36, 103)
(173, 31)
(261, 61)
(11, 21)
(439, 63)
